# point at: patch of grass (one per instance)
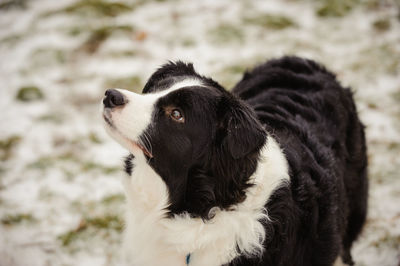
(372, 105)
(270, 21)
(47, 56)
(67, 156)
(375, 5)
(133, 83)
(53, 117)
(94, 138)
(68, 237)
(95, 40)
(93, 224)
(236, 69)
(111, 222)
(231, 74)
(13, 219)
(42, 163)
(383, 58)
(226, 33)
(29, 93)
(12, 39)
(85, 166)
(394, 146)
(7, 145)
(382, 24)
(45, 194)
(188, 42)
(124, 53)
(8, 4)
(396, 95)
(76, 30)
(96, 8)
(91, 166)
(2, 170)
(99, 35)
(114, 198)
(335, 8)
(392, 241)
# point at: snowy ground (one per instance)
(60, 195)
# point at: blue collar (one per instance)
(187, 259)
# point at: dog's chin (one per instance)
(132, 146)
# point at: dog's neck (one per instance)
(150, 237)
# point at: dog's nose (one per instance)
(113, 98)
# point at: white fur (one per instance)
(151, 239)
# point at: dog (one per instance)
(273, 172)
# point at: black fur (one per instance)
(206, 162)
(128, 164)
(315, 122)
(173, 72)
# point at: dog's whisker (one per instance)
(146, 143)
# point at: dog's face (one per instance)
(201, 140)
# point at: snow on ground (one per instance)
(60, 196)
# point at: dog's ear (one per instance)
(244, 134)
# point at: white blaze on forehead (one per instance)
(182, 84)
(135, 116)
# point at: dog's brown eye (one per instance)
(176, 115)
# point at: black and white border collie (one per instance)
(272, 173)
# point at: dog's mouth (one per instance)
(108, 121)
(131, 143)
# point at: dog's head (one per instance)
(200, 139)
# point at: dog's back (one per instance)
(315, 122)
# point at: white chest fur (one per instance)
(151, 239)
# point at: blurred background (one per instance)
(61, 202)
